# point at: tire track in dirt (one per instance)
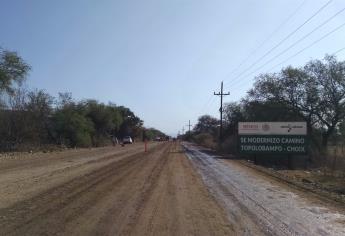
(20, 185)
(24, 161)
(154, 193)
(145, 192)
(29, 215)
(179, 203)
(133, 197)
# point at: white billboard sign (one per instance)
(272, 128)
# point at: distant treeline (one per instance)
(314, 93)
(34, 119)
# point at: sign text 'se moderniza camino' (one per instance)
(273, 137)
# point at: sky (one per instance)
(164, 59)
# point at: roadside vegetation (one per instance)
(36, 120)
(314, 93)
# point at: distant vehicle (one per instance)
(158, 139)
(127, 140)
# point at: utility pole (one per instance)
(221, 94)
(189, 125)
(183, 130)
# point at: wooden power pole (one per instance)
(221, 94)
(189, 125)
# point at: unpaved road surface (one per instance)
(259, 205)
(169, 190)
(107, 191)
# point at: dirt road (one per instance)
(107, 191)
(259, 205)
(168, 191)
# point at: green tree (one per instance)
(259, 110)
(315, 92)
(131, 125)
(342, 131)
(116, 118)
(101, 117)
(152, 133)
(38, 109)
(72, 128)
(233, 113)
(13, 70)
(14, 122)
(207, 124)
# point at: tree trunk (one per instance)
(325, 137)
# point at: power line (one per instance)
(336, 52)
(305, 48)
(269, 37)
(310, 45)
(211, 104)
(286, 37)
(221, 94)
(206, 104)
(189, 125)
(293, 44)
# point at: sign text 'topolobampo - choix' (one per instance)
(273, 137)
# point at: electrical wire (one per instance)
(310, 45)
(302, 50)
(293, 44)
(268, 38)
(339, 50)
(212, 102)
(280, 43)
(286, 37)
(206, 104)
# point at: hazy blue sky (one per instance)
(163, 59)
